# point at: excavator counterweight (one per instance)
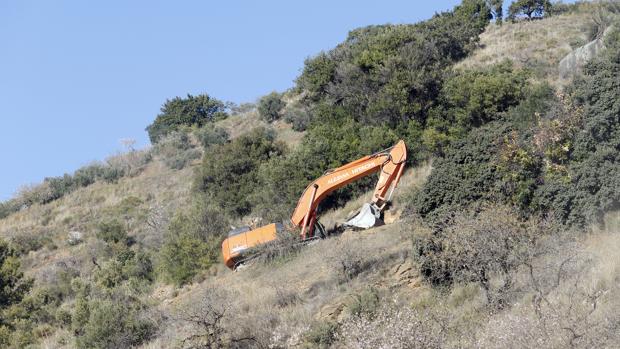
(390, 163)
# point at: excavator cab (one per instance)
(239, 240)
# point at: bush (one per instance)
(495, 162)
(139, 266)
(472, 98)
(212, 135)
(298, 117)
(475, 247)
(88, 175)
(129, 164)
(112, 231)
(192, 242)
(110, 274)
(15, 327)
(364, 303)
(176, 150)
(112, 323)
(58, 187)
(24, 242)
(8, 207)
(14, 285)
(183, 256)
(465, 176)
(369, 76)
(581, 143)
(228, 174)
(191, 111)
(322, 335)
(529, 8)
(270, 107)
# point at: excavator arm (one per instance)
(389, 162)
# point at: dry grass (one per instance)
(311, 284)
(539, 45)
(242, 123)
(156, 186)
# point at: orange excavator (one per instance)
(390, 162)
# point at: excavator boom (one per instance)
(389, 162)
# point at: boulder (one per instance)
(582, 55)
(74, 238)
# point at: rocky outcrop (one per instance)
(582, 55)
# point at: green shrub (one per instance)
(465, 176)
(5, 336)
(8, 207)
(58, 187)
(364, 303)
(192, 242)
(529, 8)
(112, 231)
(588, 149)
(270, 107)
(369, 74)
(212, 135)
(322, 335)
(110, 274)
(139, 266)
(497, 162)
(15, 325)
(184, 255)
(176, 150)
(88, 175)
(228, 174)
(190, 111)
(472, 98)
(112, 323)
(24, 242)
(14, 285)
(298, 117)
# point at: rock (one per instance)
(582, 55)
(404, 274)
(390, 217)
(74, 238)
(331, 312)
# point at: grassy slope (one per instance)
(539, 45)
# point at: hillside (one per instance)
(503, 231)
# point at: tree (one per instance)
(496, 10)
(190, 111)
(530, 8)
(229, 171)
(13, 286)
(270, 106)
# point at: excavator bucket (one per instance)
(369, 216)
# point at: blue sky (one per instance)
(78, 76)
